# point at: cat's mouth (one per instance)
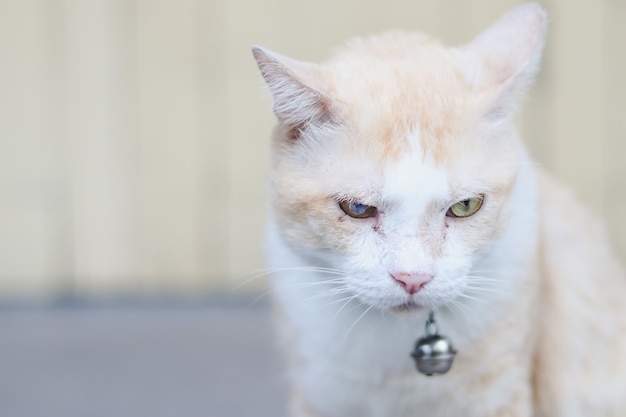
(408, 307)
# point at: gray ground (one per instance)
(177, 360)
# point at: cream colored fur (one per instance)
(527, 288)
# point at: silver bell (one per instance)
(433, 353)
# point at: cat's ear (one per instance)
(298, 100)
(510, 51)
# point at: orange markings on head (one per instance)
(389, 96)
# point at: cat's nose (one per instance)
(411, 282)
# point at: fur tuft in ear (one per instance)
(510, 50)
(296, 102)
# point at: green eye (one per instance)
(465, 208)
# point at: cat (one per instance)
(399, 186)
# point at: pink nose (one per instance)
(411, 282)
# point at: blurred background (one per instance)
(133, 154)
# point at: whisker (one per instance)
(495, 282)
(317, 283)
(476, 299)
(487, 286)
(485, 277)
(268, 271)
(301, 285)
(344, 305)
(459, 309)
(476, 278)
(485, 291)
(332, 290)
(339, 300)
(262, 296)
(357, 320)
(329, 293)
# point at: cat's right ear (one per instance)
(298, 100)
(510, 51)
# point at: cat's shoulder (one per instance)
(575, 246)
(563, 215)
(582, 315)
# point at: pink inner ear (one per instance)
(296, 104)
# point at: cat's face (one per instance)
(394, 163)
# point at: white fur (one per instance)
(423, 129)
(346, 362)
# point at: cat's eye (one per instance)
(358, 210)
(465, 208)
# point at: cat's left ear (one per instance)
(510, 51)
(295, 88)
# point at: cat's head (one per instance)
(395, 159)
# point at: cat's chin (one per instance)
(407, 309)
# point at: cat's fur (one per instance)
(527, 288)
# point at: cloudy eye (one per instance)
(357, 210)
(465, 208)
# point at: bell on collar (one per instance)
(433, 353)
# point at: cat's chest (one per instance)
(404, 393)
(347, 383)
(350, 364)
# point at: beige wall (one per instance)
(134, 133)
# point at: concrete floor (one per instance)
(207, 359)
